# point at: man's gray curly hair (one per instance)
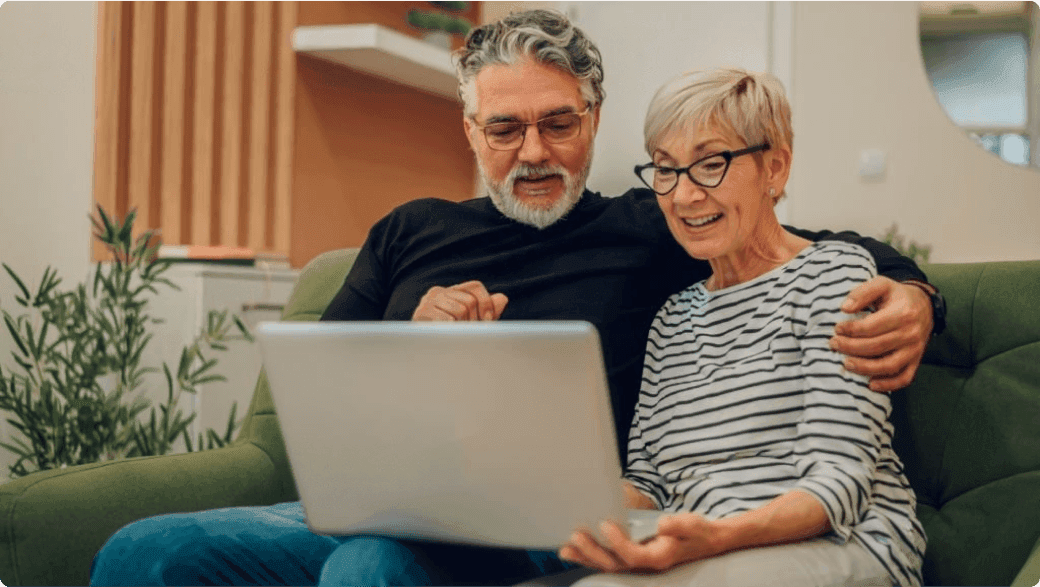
(543, 35)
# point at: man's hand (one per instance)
(465, 301)
(888, 344)
(680, 538)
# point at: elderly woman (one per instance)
(776, 463)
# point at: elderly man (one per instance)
(540, 247)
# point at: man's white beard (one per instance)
(510, 206)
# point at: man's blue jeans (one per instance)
(272, 546)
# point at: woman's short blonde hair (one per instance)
(751, 106)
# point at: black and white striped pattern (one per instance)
(742, 401)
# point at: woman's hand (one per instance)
(635, 499)
(680, 538)
(887, 345)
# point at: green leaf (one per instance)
(42, 341)
(187, 441)
(214, 440)
(176, 430)
(127, 229)
(47, 284)
(168, 283)
(18, 282)
(205, 366)
(14, 335)
(97, 279)
(30, 335)
(141, 243)
(231, 424)
(135, 356)
(242, 328)
(107, 223)
(16, 450)
(99, 229)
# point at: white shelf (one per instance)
(383, 52)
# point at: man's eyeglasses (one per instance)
(707, 172)
(558, 128)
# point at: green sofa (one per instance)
(968, 430)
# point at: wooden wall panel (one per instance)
(173, 104)
(112, 39)
(284, 116)
(231, 189)
(218, 134)
(189, 130)
(259, 125)
(203, 123)
(142, 103)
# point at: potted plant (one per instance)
(440, 24)
(917, 253)
(75, 395)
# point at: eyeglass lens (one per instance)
(553, 129)
(708, 173)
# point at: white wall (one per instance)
(645, 44)
(46, 146)
(856, 80)
(859, 83)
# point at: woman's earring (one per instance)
(772, 192)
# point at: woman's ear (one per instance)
(778, 167)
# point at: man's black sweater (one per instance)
(610, 261)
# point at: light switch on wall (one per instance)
(872, 164)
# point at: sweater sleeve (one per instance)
(840, 432)
(640, 469)
(889, 262)
(365, 292)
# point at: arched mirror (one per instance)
(983, 59)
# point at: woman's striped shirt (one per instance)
(742, 401)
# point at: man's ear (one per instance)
(594, 115)
(467, 125)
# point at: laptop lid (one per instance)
(493, 433)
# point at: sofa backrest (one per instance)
(968, 428)
(317, 284)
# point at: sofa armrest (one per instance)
(1029, 576)
(70, 513)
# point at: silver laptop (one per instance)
(490, 433)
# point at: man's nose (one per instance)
(533, 149)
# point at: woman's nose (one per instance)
(687, 192)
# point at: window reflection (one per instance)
(983, 60)
(1013, 148)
